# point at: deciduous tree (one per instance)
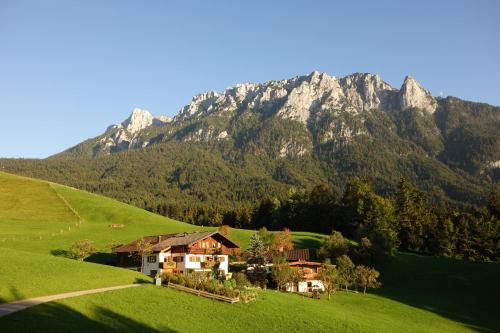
(366, 277)
(333, 246)
(329, 276)
(345, 268)
(143, 248)
(281, 271)
(282, 241)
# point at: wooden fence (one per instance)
(203, 293)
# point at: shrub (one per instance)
(333, 246)
(241, 280)
(82, 249)
(247, 296)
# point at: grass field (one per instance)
(27, 274)
(31, 208)
(460, 290)
(41, 240)
(419, 294)
(153, 309)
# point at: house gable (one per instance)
(213, 244)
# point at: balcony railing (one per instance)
(207, 264)
(168, 265)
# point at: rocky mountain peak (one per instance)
(412, 95)
(299, 97)
(366, 91)
(138, 120)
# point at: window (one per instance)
(221, 259)
(194, 259)
(153, 272)
(179, 259)
(208, 258)
(151, 259)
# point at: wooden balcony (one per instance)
(207, 264)
(204, 251)
(168, 265)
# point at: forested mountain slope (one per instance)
(231, 149)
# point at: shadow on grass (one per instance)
(309, 241)
(15, 295)
(143, 281)
(56, 317)
(462, 291)
(104, 258)
(61, 253)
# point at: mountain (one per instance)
(306, 100)
(252, 141)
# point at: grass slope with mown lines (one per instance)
(154, 309)
(29, 199)
(31, 208)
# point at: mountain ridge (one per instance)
(299, 99)
(254, 141)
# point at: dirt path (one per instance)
(8, 308)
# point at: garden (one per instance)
(206, 284)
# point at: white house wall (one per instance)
(148, 267)
(183, 266)
(197, 265)
(316, 284)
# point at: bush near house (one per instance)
(82, 249)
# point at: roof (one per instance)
(291, 255)
(297, 254)
(305, 263)
(162, 242)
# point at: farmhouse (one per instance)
(311, 281)
(179, 253)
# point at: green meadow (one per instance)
(154, 309)
(39, 222)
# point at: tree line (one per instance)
(404, 221)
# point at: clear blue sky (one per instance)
(68, 69)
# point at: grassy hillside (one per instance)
(153, 309)
(460, 290)
(419, 294)
(31, 208)
(31, 237)
(27, 274)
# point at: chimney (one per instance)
(159, 238)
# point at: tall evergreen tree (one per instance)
(256, 250)
(414, 217)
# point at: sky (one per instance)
(68, 69)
